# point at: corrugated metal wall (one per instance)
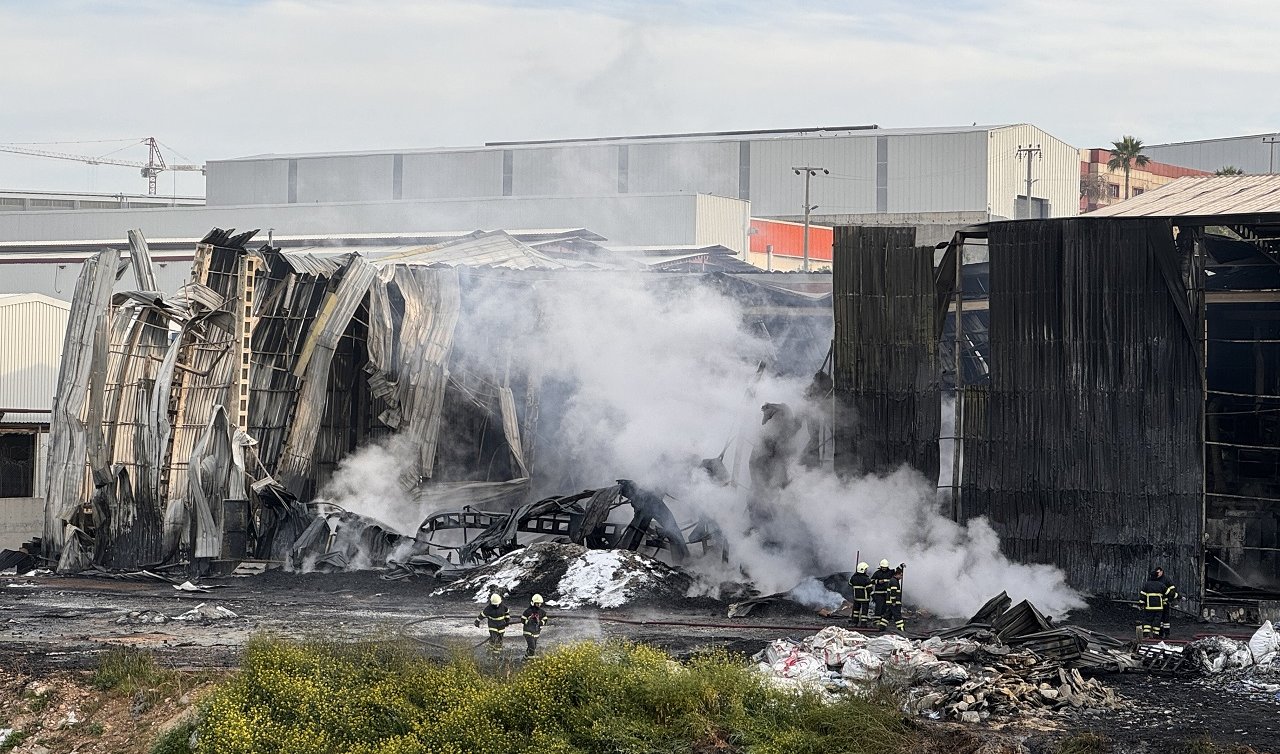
(872, 171)
(451, 175)
(32, 331)
(707, 167)
(721, 220)
(936, 173)
(565, 171)
(264, 181)
(1249, 153)
(886, 352)
(1085, 450)
(344, 179)
(1055, 173)
(777, 191)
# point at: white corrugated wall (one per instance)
(704, 167)
(452, 175)
(776, 191)
(943, 172)
(263, 181)
(32, 328)
(1056, 173)
(358, 178)
(722, 220)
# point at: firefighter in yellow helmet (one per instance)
(880, 581)
(497, 617)
(533, 618)
(862, 587)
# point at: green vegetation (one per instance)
(12, 740)
(176, 741)
(1125, 154)
(1228, 170)
(129, 671)
(386, 699)
(1084, 743)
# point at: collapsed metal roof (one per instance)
(1203, 196)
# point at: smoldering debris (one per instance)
(265, 410)
(570, 576)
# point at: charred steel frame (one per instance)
(1132, 412)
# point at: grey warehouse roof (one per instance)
(800, 133)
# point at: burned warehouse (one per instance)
(1117, 378)
(205, 428)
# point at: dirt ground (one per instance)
(54, 630)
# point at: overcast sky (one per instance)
(233, 78)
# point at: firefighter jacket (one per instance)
(496, 616)
(862, 587)
(1170, 591)
(1152, 594)
(534, 618)
(880, 582)
(893, 592)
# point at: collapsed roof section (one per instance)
(200, 426)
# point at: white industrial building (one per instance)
(626, 220)
(18, 200)
(934, 178)
(1255, 155)
(31, 328)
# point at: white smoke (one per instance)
(660, 381)
(369, 482)
(660, 376)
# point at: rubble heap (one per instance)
(956, 678)
(1250, 668)
(570, 575)
(1005, 661)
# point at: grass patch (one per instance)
(176, 741)
(386, 699)
(1084, 743)
(128, 671)
(13, 739)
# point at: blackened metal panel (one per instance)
(1086, 452)
(886, 352)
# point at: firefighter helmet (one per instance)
(495, 599)
(537, 599)
(862, 567)
(884, 563)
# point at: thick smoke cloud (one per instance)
(658, 377)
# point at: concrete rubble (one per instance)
(958, 678)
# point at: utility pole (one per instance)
(1271, 141)
(1029, 151)
(809, 171)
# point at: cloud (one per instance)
(226, 79)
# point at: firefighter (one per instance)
(880, 592)
(496, 615)
(1154, 604)
(533, 618)
(1171, 595)
(860, 583)
(893, 600)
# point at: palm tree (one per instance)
(1228, 170)
(1124, 155)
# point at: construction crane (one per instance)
(154, 166)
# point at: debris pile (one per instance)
(1005, 661)
(1250, 668)
(569, 575)
(957, 678)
